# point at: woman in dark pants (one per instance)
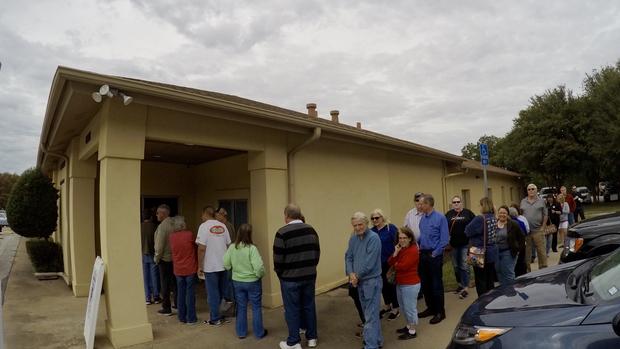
(481, 233)
(388, 234)
(520, 267)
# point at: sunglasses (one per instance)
(531, 188)
(374, 218)
(456, 202)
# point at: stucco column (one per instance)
(121, 148)
(268, 196)
(81, 219)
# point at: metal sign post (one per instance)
(484, 160)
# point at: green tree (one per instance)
(7, 180)
(32, 209)
(601, 121)
(544, 141)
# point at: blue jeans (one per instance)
(252, 292)
(549, 244)
(370, 297)
(505, 267)
(215, 283)
(571, 218)
(299, 307)
(461, 268)
(186, 298)
(150, 272)
(408, 300)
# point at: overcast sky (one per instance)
(438, 73)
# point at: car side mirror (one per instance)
(615, 324)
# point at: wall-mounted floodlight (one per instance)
(106, 90)
(126, 99)
(97, 97)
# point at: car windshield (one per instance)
(605, 278)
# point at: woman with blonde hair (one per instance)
(481, 232)
(388, 234)
(563, 227)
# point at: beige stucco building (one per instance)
(191, 148)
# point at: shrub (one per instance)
(45, 255)
(32, 210)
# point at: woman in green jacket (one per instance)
(247, 270)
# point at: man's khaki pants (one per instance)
(537, 238)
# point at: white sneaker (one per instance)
(312, 343)
(283, 345)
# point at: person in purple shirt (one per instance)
(434, 237)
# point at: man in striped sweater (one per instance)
(296, 253)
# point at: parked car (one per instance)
(548, 191)
(592, 237)
(584, 194)
(3, 220)
(572, 305)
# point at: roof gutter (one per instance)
(290, 161)
(58, 155)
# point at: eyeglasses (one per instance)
(456, 202)
(531, 188)
(374, 218)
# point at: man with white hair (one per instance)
(363, 266)
(535, 211)
(163, 258)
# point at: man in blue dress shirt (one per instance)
(434, 237)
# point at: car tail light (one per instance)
(468, 335)
(574, 244)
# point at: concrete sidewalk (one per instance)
(45, 315)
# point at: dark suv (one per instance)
(572, 305)
(592, 237)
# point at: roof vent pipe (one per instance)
(312, 110)
(334, 114)
(359, 125)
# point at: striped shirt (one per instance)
(296, 252)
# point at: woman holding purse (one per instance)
(387, 233)
(405, 261)
(481, 233)
(554, 211)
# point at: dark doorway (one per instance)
(152, 202)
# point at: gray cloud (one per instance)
(436, 73)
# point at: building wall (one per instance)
(473, 181)
(335, 179)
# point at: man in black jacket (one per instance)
(458, 218)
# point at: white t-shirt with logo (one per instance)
(214, 235)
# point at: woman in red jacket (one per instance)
(405, 261)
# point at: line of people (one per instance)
(381, 261)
